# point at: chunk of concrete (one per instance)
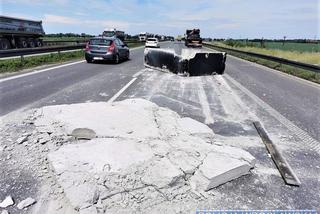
(8, 201)
(218, 169)
(139, 149)
(26, 203)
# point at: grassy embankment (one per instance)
(17, 64)
(310, 55)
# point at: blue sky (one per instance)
(215, 18)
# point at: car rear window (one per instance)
(152, 40)
(105, 42)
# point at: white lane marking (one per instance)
(39, 54)
(121, 90)
(51, 68)
(203, 99)
(304, 136)
(40, 71)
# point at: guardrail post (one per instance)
(21, 59)
(59, 55)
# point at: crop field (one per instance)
(286, 46)
(311, 57)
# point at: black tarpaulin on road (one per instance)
(203, 63)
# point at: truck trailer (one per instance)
(114, 33)
(192, 38)
(20, 33)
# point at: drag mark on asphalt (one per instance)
(203, 99)
(305, 138)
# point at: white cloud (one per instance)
(56, 19)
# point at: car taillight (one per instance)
(111, 47)
(87, 47)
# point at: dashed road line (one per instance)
(40, 71)
(304, 136)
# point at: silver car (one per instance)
(106, 48)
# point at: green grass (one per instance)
(306, 57)
(305, 74)
(13, 65)
(286, 46)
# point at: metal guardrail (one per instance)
(79, 44)
(29, 51)
(302, 65)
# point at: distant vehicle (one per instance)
(192, 38)
(114, 33)
(152, 43)
(179, 38)
(20, 33)
(142, 36)
(106, 48)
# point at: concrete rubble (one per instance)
(26, 203)
(137, 155)
(8, 201)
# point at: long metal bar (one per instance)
(284, 168)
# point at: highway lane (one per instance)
(76, 83)
(295, 99)
(208, 99)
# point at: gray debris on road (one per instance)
(140, 155)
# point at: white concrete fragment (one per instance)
(219, 169)
(8, 201)
(4, 212)
(22, 139)
(26, 203)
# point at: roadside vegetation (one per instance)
(301, 52)
(17, 64)
(305, 74)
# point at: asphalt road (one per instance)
(295, 99)
(209, 99)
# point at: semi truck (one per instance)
(114, 33)
(20, 33)
(192, 38)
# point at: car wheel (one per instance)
(116, 59)
(89, 60)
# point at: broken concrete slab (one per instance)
(219, 169)
(8, 201)
(141, 152)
